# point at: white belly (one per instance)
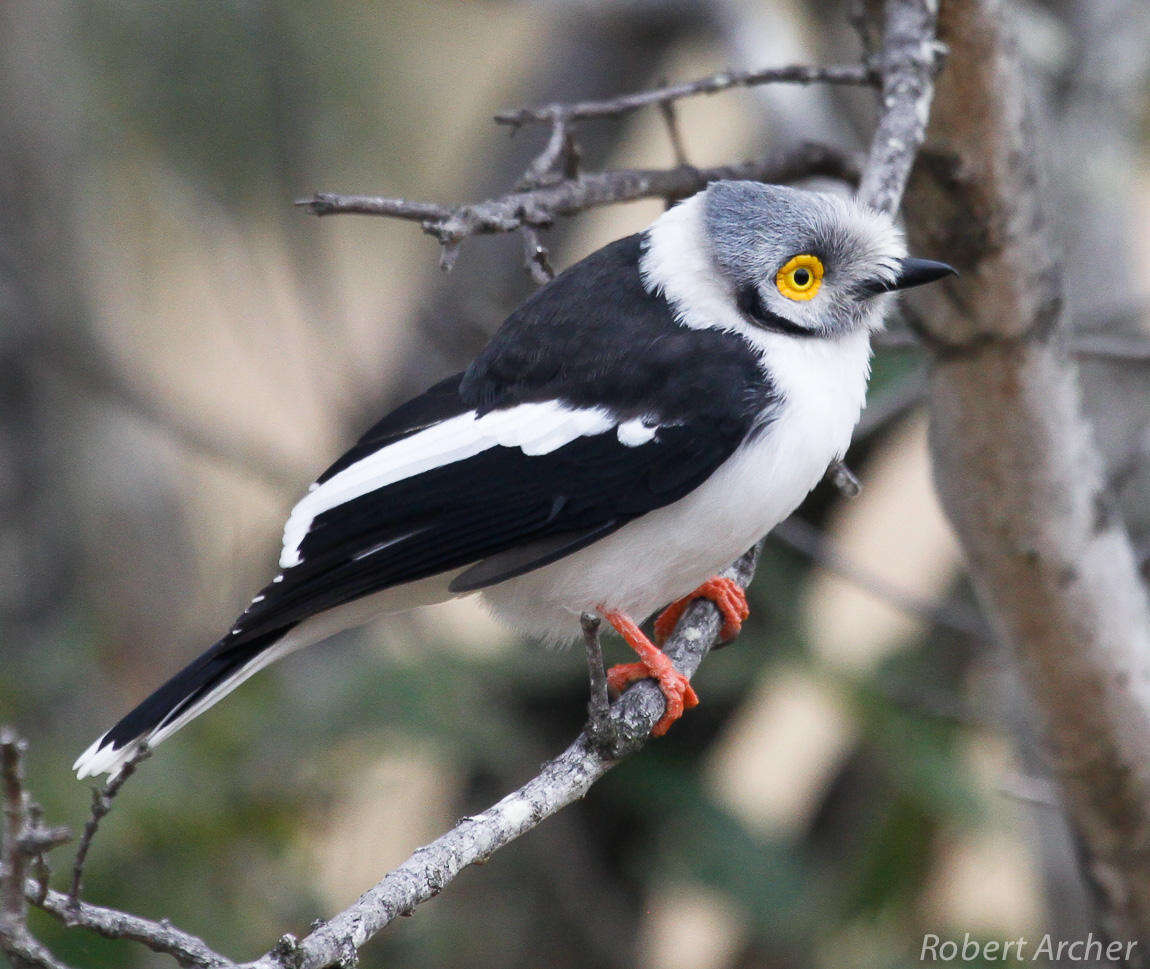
(669, 552)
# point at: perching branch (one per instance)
(188, 950)
(905, 67)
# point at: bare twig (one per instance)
(1083, 345)
(539, 207)
(558, 161)
(808, 541)
(38, 840)
(712, 84)
(674, 135)
(101, 805)
(1109, 346)
(599, 727)
(536, 259)
(187, 949)
(1030, 790)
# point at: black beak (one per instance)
(912, 272)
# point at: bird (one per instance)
(630, 429)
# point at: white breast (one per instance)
(667, 553)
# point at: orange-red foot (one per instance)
(729, 599)
(653, 663)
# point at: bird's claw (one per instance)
(677, 691)
(728, 597)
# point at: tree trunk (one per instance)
(1015, 463)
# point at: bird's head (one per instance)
(807, 263)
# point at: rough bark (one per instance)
(1014, 461)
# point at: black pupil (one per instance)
(802, 277)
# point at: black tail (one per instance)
(187, 694)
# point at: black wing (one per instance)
(507, 511)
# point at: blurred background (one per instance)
(181, 350)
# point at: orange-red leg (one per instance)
(729, 599)
(653, 662)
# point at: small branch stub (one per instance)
(101, 805)
(599, 728)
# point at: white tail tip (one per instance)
(109, 760)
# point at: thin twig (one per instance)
(1084, 346)
(37, 841)
(559, 160)
(1109, 346)
(712, 84)
(599, 727)
(536, 258)
(101, 805)
(808, 541)
(188, 950)
(540, 206)
(674, 135)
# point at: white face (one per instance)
(805, 257)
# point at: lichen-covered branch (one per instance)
(909, 58)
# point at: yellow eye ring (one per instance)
(801, 277)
